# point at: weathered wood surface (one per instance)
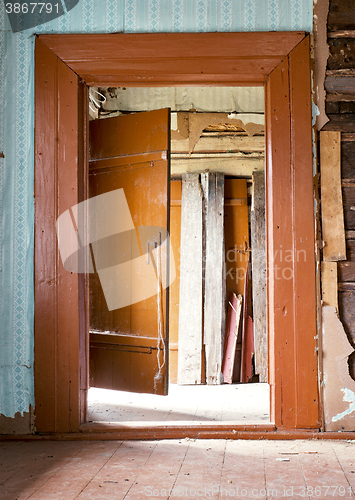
(329, 276)
(340, 83)
(247, 351)
(341, 15)
(230, 165)
(221, 143)
(346, 269)
(342, 53)
(331, 196)
(258, 256)
(190, 310)
(231, 336)
(348, 158)
(174, 289)
(346, 287)
(338, 384)
(340, 123)
(349, 207)
(236, 229)
(342, 107)
(347, 312)
(341, 34)
(214, 285)
(340, 96)
(246, 300)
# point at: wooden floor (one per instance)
(238, 403)
(184, 468)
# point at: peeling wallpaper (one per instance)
(16, 140)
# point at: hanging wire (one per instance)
(95, 103)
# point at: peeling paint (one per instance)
(315, 113)
(349, 397)
(338, 386)
(321, 52)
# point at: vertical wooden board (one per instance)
(190, 308)
(236, 230)
(258, 255)
(45, 238)
(247, 351)
(68, 296)
(147, 209)
(56, 290)
(330, 284)
(333, 232)
(280, 239)
(304, 281)
(230, 340)
(83, 194)
(214, 282)
(175, 237)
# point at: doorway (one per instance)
(213, 129)
(65, 66)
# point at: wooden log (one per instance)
(350, 235)
(331, 196)
(347, 137)
(341, 34)
(230, 341)
(347, 311)
(341, 123)
(258, 255)
(341, 15)
(329, 275)
(340, 72)
(347, 157)
(340, 97)
(221, 143)
(228, 166)
(342, 53)
(340, 83)
(190, 311)
(214, 285)
(349, 207)
(346, 269)
(346, 287)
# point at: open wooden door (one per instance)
(129, 219)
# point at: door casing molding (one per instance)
(64, 66)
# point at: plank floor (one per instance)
(185, 468)
(238, 403)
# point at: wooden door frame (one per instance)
(64, 66)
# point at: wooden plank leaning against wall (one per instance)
(236, 234)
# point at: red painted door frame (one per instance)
(64, 65)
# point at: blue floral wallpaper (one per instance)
(16, 140)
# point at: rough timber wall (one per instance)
(340, 107)
(16, 140)
(337, 168)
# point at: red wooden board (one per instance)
(230, 341)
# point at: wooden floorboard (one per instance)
(176, 468)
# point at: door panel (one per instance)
(129, 289)
(236, 234)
